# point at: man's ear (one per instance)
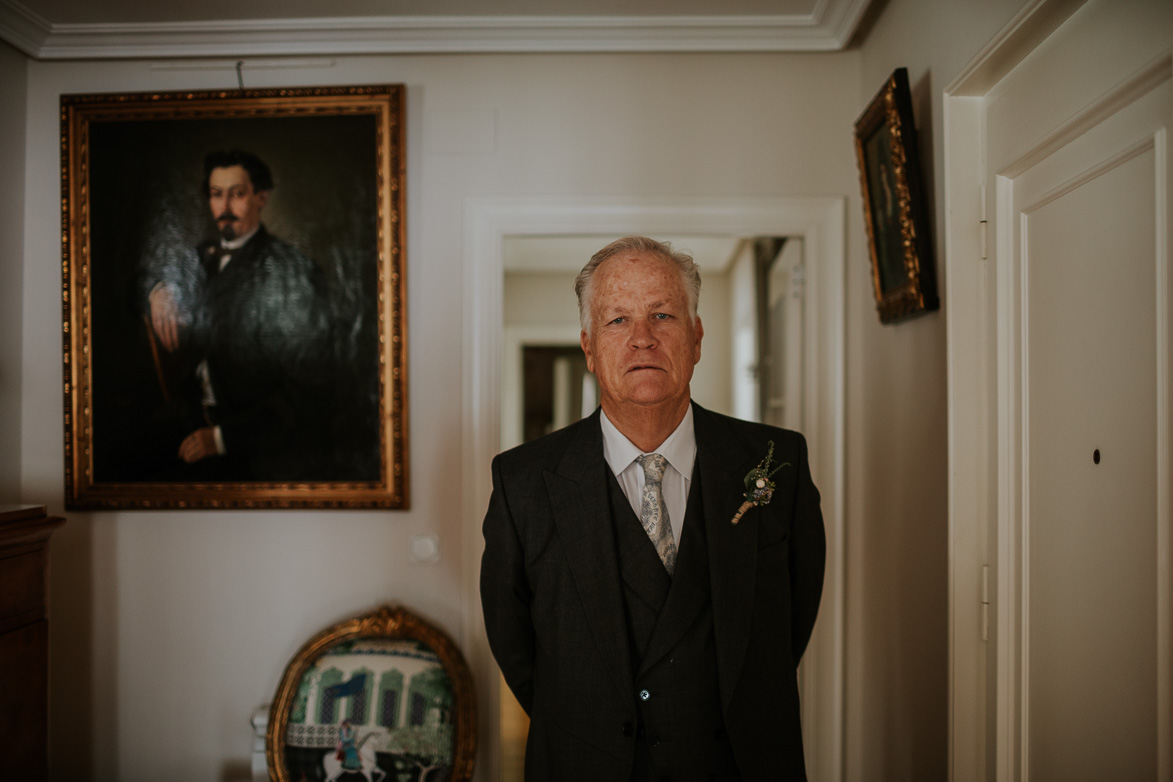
(699, 330)
(263, 198)
(585, 340)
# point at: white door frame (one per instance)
(820, 221)
(971, 355)
(515, 339)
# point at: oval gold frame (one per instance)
(385, 623)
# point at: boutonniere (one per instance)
(759, 489)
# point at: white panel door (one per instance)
(1089, 591)
(1081, 242)
(1067, 325)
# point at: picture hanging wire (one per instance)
(239, 77)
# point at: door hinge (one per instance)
(985, 605)
(798, 281)
(983, 224)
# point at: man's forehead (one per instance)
(620, 302)
(641, 273)
(223, 176)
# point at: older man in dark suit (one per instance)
(652, 573)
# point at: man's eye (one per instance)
(617, 321)
(661, 316)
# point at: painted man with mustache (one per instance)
(255, 325)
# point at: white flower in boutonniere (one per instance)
(759, 489)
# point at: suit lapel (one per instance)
(723, 463)
(578, 493)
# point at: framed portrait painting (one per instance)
(233, 299)
(899, 240)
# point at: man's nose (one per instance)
(641, 335)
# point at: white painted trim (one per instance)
(23, 28)
(516, 339)
(1008, 523)
(1016, 524)
(1164, 461)
(966, 283)
(828, 28)
(821, 222)
(983, 411)
(1029, 27)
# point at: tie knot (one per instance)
(653, 464)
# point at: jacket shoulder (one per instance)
(547, 449)
(752, 434)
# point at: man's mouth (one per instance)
(227, 225)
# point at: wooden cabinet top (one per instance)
(24, 523)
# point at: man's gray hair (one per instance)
(690, 275)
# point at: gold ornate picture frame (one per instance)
(210, 368)
(385, 695)
(899, 240)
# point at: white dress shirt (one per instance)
(679, 450)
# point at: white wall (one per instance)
(897, 514)
(540, 298)
(13, 79)
(170, 627)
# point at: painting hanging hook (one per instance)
(239, 76)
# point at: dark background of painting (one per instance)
(145, 198)
(885, 209)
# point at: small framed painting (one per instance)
(899, 240)
(386, 696)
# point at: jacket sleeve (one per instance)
(808, 552)
(506, 597)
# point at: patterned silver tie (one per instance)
(652, 513)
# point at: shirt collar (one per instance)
(679, 449)
(239, 241)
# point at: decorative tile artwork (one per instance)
(379, 710)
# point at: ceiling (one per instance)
(93, 29)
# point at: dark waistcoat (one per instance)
(680, 735)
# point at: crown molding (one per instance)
(828, 28)
(22, 28)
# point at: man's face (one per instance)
(235, 206)
(642, 346)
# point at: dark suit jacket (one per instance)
(264, 330)
(551, 593)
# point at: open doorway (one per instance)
(491, 224)
(752, 356)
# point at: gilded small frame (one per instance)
(895, 213)
(382, 695)
(233, 299)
